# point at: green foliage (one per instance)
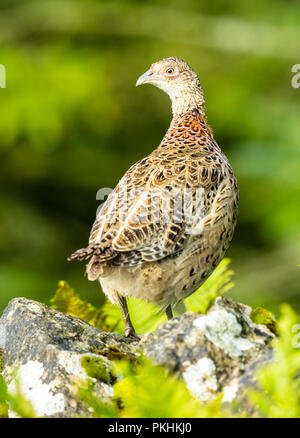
(147, 391)
(15, 401)
(3, 407)
(217, 284)
(263, 316)
(136, 395)
(96, 367)
(3, 404)
(67, 301)
(58, 80)
(86, 394)
(145, 316)
(278, 395)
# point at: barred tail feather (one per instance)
(81, 254)
(102, 253)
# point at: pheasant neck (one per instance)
(188, 101)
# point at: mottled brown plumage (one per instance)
(169, 221)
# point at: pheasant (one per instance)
(167, 224)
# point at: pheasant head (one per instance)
(175, 77)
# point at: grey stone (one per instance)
(43, 350)
(45, 353)
(211, 352)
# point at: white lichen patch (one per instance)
(2, 336)
(223, 330)
(71, 362)
(109, 390)
(229, 392)
(29, 382)
(200, 379)
(33, 307)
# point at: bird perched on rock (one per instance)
(169, 221)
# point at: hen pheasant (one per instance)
(169, 221)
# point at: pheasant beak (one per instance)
(145, 78)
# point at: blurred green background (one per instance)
(72, 122)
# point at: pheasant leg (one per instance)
(169, 312)
(129, 329)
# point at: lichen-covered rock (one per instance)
(47, 354)
(234, 394)
(211, 352)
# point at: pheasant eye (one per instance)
(170, 70)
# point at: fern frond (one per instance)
(278, 393)
(67, 301)
(148, 391)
